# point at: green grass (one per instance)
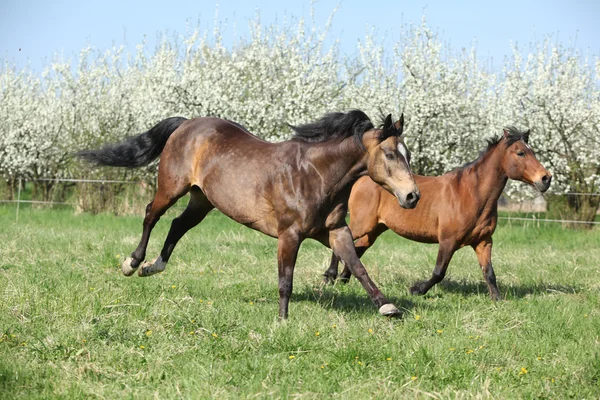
(71, 326)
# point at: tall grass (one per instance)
(71, 326)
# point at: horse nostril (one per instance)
(545, 179)
(412, 198)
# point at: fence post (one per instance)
(18, 199)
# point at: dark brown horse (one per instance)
(291, 190)
(459, 208)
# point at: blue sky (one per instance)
(31, 31)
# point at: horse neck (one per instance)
(489, 178)
(341, 163)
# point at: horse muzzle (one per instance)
(409, 200)
(544, 183)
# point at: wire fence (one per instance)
(19, 201)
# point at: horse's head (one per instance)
(519, 161)
(389, 162)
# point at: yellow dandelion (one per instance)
(539, 358)
(322, 367)
(334, 326)
(291, 357)
(173, 286)
(523, 371)
(215, 335)
(192, 332)
(413, 378)
(585, 315)
(370, 330)
(552, 380)
(417, 317)
(148, 332)
(84, 340)
(360, 363)
(193, 321)
(250, 302)
(142, 347)
(452, 349)
(317, 333)
(388, 359)
(469, 351)
(439, 331)
(24, 344)
(201, 301)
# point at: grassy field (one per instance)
(71, 326)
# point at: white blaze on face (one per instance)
(403, 150)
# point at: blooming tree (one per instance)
(293, 74)
(555, 91)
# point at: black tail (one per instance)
(135, 151)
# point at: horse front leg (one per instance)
(362, 245)
(287, 251)
(445, 253)
(483, 250)
(341, 243)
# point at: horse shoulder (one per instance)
(364, 204)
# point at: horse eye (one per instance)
(520, 153)
(389, 156)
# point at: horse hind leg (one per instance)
(197, 208)
(154, 211)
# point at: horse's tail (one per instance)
(135, 151)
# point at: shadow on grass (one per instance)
(346, 300)
(507, 291)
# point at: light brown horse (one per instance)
(459, 208)
(291, 190)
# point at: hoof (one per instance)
(416, 290)
(328, 279)
(126, 267)
(389, 310)
(152, 268)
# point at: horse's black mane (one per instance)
(334, 125)
(514, 135)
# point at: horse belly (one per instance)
(238, 196)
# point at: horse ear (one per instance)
(506, 133)
(526, 136)
(400, 124)
(388, 122)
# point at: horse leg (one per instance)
(193, 214)
(330, 274)
(445, 252)
(483, 250)
(154, 210)
(287, 251)
(361, 246)
(341, 243)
